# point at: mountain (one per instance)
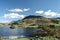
(3, 24)
(50, 26)
(28, 21)
(33, 16)
(35, 21)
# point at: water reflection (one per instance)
(16, 33)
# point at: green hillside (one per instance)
(35, 21)
(50, 26)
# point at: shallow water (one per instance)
(6, 32)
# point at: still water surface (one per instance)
(6, 32)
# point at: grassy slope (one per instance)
(41, 38)
(53, 30)
(33, 22)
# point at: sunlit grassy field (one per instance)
(14, 39)
(40, 38)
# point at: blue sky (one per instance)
(12, 10)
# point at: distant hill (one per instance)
(33, 16)
(3, 24)
(50, 26)
(35, 21)
(28, 21)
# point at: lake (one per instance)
(6, 32)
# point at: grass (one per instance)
(14, 39)
(41, 38)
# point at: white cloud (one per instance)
(16, 10)
(19, 10)
(58, 15)
(13, 15)
(50, 13)
(39, 12)
(26, 9)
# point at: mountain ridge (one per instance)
(33, 20)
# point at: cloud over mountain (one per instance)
(48, 13)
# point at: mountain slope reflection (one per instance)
(17, 32)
